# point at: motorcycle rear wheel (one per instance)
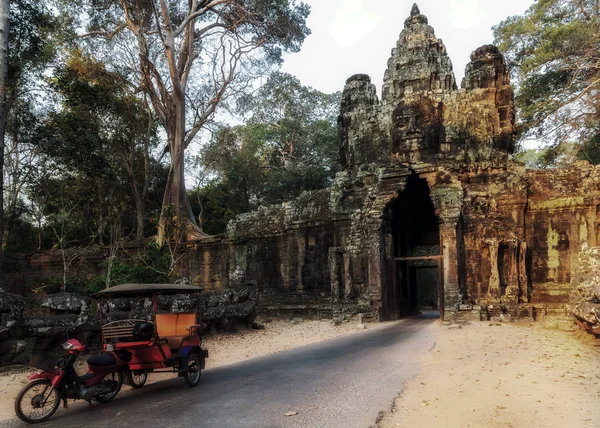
(30, 406)
(109, 396)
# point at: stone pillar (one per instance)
(336, 266)
(375, 278)
(301, 251)
(448, 199)
(450, 261)
(512, 278)
(523, 282)
(494, 282)
(347, 276)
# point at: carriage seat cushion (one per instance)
(174, 327)
(108, 358)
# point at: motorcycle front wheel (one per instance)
(37, 401)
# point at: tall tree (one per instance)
(554, 51)
(102, 134)
(126, 126)
(4, 29)
(188, 57)
(33, 39)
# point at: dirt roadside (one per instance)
(503, 375)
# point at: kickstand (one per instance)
(65, 403)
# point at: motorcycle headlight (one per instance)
(68, 346)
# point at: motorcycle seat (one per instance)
(108, 358)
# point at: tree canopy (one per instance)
(287, 145)
(554, 53)
(33, 37)
(102, 135)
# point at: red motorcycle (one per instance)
(38, 400)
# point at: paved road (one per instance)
(340, 383)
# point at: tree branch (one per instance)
(106, 35)
(202, 10)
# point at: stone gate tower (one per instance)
(430, 210)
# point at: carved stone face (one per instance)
(414, 125)
(407, 121)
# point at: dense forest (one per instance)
(157, 122)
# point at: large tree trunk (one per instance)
(4, 24)
(139, 208)
(139, 200)
(146, 182)
(175, 222)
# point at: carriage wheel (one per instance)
(192, 369)
(138, 378)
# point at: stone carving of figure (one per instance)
(492, 206)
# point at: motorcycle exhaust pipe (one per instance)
(93, 391)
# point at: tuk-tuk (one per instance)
(164, 342)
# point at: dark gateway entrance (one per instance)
(414, 261)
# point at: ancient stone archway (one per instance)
(415, 276)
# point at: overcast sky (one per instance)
(356, 36)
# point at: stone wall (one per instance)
(585, 295)
(24, 272)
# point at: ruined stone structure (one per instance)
(429, 210)
(37, 337)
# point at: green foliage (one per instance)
(550, 157)
(22, 238)
(34, 32)
(218, 204)
(53, 285)
(149, 267)
(554, 52)
(590, 150)
(101, 120)
(97, 141)
(33, 37)
(297, 125)
(276, 25)
(288, 145)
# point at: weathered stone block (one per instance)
(65, 302)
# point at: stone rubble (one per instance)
(585, 296)
(38, 339)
